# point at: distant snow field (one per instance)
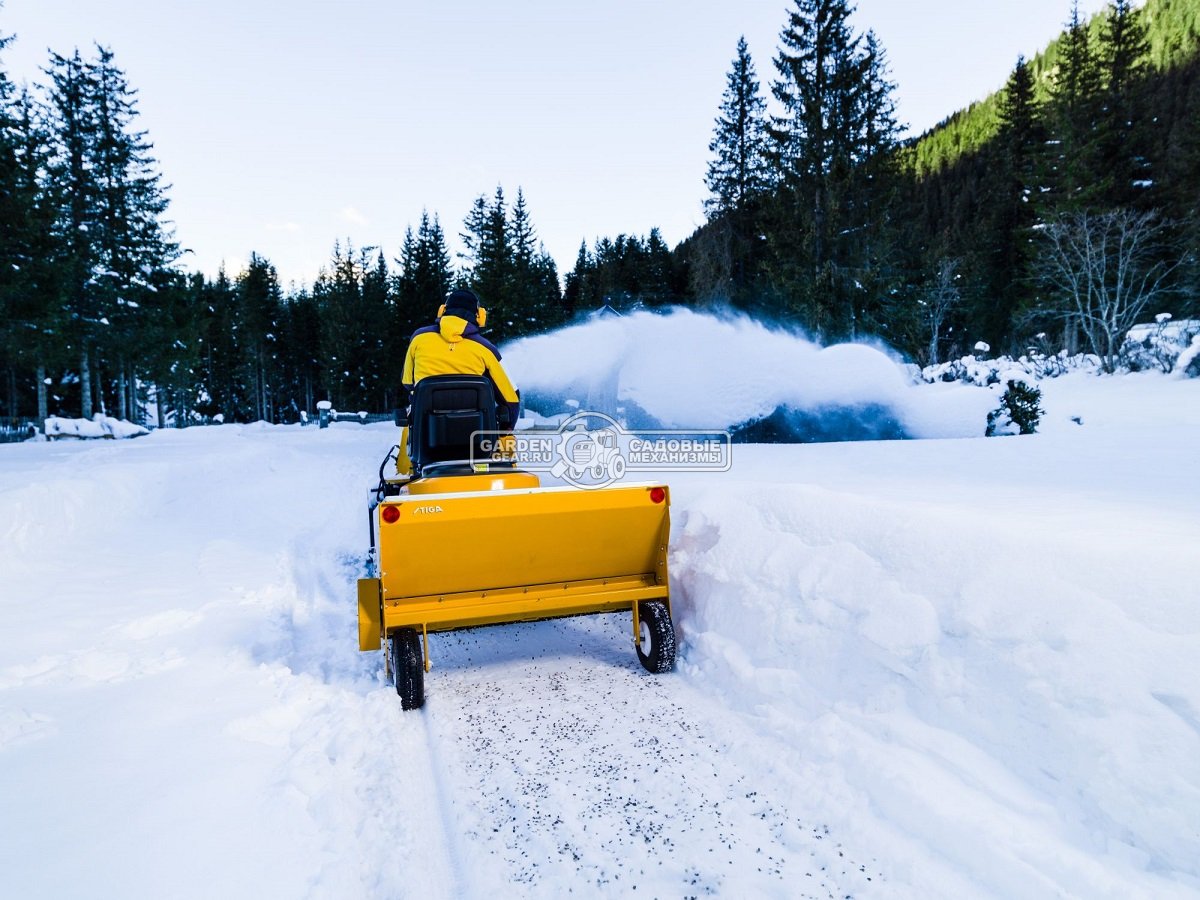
(953, 667)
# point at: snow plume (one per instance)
(684, 369)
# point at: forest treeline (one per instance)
(1053, 213)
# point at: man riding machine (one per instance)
(464, 538)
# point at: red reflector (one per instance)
(657, 495)
(390, 514)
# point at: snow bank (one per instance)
(943, 668)
(100, 426)
(683, 369)
(1001, 659)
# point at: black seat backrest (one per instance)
(446, 411)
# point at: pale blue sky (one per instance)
(283, 125)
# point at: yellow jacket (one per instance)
(453, 346)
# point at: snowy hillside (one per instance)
(953, 667)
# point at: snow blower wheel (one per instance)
(656, 640)
(408, 666)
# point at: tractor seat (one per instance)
(446, 411)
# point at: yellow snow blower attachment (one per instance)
(468, 543)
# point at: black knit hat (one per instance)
(462, 300)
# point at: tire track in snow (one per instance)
(564, 769)
(445, 810)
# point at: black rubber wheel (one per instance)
(656, 645)
(408, 668)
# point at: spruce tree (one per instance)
(739, 172)
(523, 295)
(29, 303)
(740, 178)
(837, 115)
(221, 362)
(577, 293)
(877, 105)
(534, 295)
(113, 245)
(1014, 205)
(406, 279)
(866, 235)
(431, 273)
(300, 371)
(76, 202)
(473, 235)
(1074, 106)
(491, 276)
(132, 242)
(260, 308)
(1124, 49)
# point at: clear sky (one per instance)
(284, 125)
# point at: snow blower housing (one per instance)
(464, 544)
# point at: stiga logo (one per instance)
(592, 450)
(426, 510)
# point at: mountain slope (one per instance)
(1173, 34)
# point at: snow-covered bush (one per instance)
(1159, 345)
(99, 426)
(1034, 366)
(1018, 412)
(1188, 363)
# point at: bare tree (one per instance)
(940, 298)
(1104, 269)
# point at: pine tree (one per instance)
(1014, 206)
(131, 240)
(877, 115)
(76, 203)
(837, 115)
(740, 178)
(382, 369)
(432, 273)
(1074, 106)
(739, 172)
(1121, 140)
(173, 352)
(548, 309)
(534, 294)
(406, 279)
(522, 293)
(29, 302)
(866, 236)
(221, 362)
(1125, 48)
(354, 307)
(522, 237)
(300, 366)
(491, 276)
(109, 201)
(1019, 121)
(260, 307)
(338, 293)
(474, 233)
(576, 293)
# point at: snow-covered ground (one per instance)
(938, 668)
